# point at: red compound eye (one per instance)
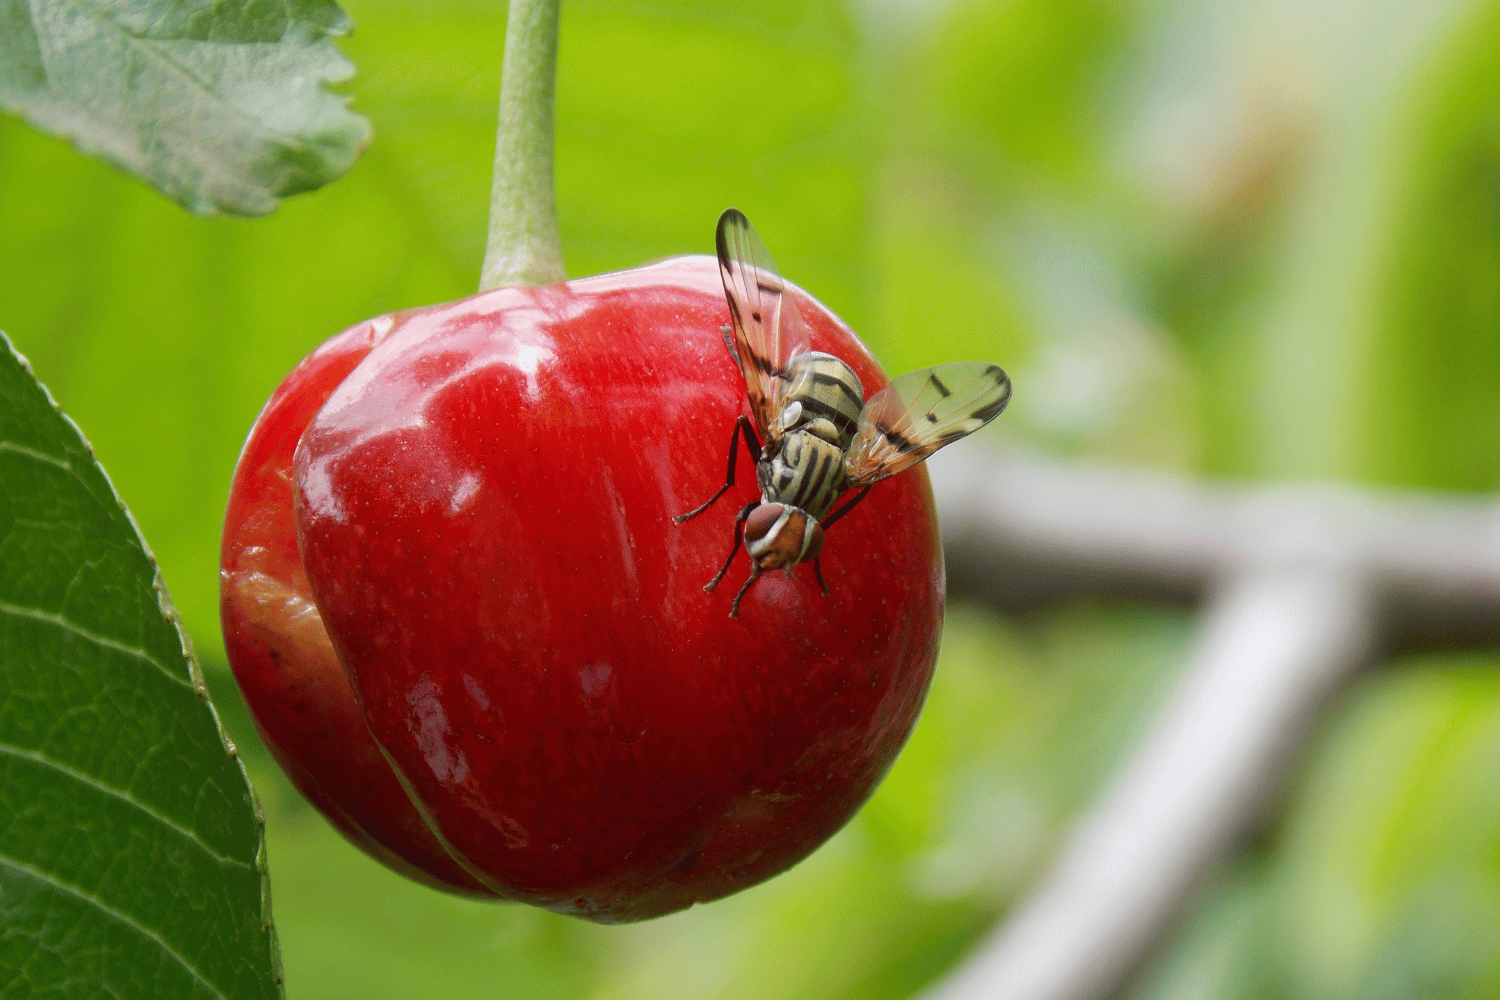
(761, 520)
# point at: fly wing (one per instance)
(768, 330)
(920, 412)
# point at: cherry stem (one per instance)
(524, 247)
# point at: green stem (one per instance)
(524, 247)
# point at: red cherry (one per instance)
(484, 505)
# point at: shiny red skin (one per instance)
(484, 507)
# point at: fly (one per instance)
(821, 437)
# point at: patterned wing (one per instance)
(767, 327)
(920, 412)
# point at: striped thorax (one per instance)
(822, 397)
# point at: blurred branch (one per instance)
(1304, 584)
(1020, 530)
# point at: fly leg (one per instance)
(734, 609)
(752, 445)
(827, 523)
(739, 536)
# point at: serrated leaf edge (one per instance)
(199, 684)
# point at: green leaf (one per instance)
(218, 105)
(131, 856)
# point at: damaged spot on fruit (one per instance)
(286, 618)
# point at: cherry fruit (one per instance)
(465, 621)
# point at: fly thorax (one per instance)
(820, 396)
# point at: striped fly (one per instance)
(821, 437)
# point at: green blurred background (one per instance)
(1257, 240)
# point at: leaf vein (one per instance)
(124, 796)
(156, 51)
(99, 640)
(40, 456)
(105, 908)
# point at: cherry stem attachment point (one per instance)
(524, 247)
